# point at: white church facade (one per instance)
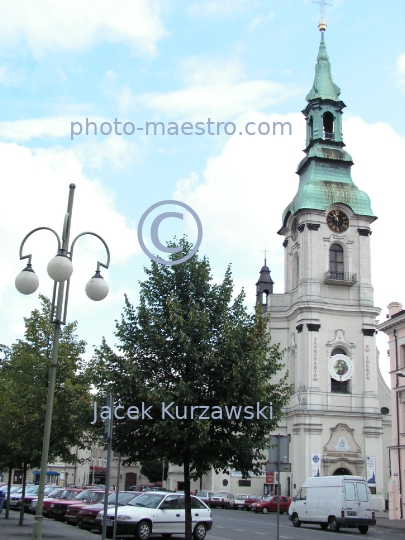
(326, 318)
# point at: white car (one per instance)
(157, 512)
(240, 500)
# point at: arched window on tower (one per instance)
(328, 129)
(311, 128)
(341, 387)
(336, 265)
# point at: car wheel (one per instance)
(200, 530)
(79, 525)
(295, 521)
(264, 510)
(324, 526)
(142, 531)
(334, 525)
(363, 529)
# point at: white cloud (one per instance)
(34, 194)
(260, 20)
(216, 8)
(51, 126)
(212, 89)
(73, 25)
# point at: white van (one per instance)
(337, 501)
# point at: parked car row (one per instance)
(243, 501)
(138, 513)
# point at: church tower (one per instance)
(326, 318)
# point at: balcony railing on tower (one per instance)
(340, 278)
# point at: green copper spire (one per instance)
(323, 86)
(325, 171)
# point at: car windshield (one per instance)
(268, 498)
(55, 492)
(148, 500)
(241, 497)
(32, 489)
(68, 494)
(94, 497)
(254, 497)
(83, 494)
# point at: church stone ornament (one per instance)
(340, 367)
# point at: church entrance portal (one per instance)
(341, 471)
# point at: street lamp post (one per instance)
(60, 269)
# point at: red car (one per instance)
(47, 502)
(269, 504)
(86, 516)
(247, 505)
(57, 508)
(73, 509)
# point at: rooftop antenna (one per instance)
(322, 3)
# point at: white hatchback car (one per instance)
(157, 512)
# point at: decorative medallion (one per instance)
(340, 367)
(337, 221)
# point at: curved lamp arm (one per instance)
(106, 265)
(29, 257)
(105, 245)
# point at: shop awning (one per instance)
(49, 473)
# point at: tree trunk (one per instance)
(10, 473)
(21, 522)
(187, 499)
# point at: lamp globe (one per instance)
(97, 288)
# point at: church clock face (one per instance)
(294, 229)
(337, 221)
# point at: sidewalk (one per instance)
(10, 530)
(384, 522)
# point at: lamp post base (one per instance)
(37, 528)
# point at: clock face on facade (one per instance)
(337, 221)
(294, 229)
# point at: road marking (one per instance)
(259, 532)
(240, 530)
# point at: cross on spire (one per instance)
(265, 251)
(322, 4)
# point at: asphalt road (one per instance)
(241, 525)
(228, 525)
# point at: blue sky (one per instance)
(186, 61)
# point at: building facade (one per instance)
(394, 327)
(326, 318)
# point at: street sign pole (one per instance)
(108, 437)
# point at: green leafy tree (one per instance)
(153, 469)
(23, 394)
(189, 342)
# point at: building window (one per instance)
(336, 266)
(328, 132)
(311, 128)
(340, 387)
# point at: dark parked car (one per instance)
(269, 504)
